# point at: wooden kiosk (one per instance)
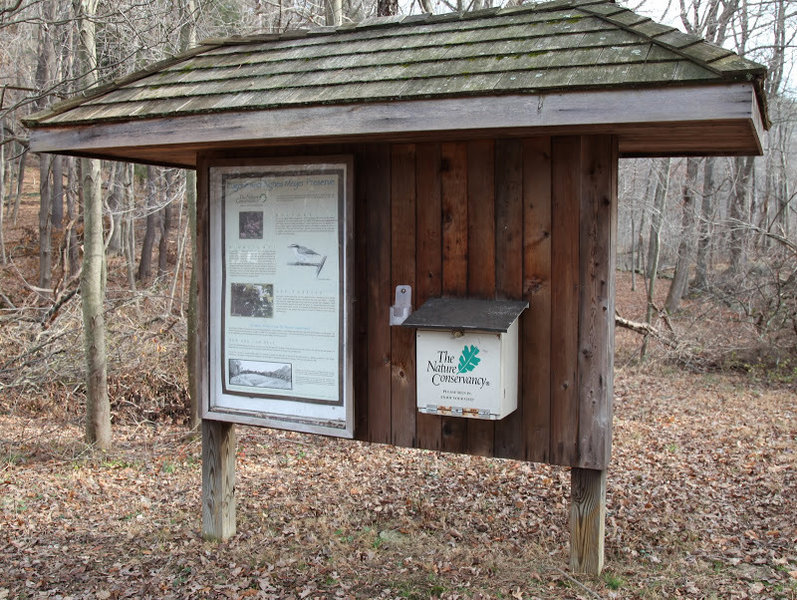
(472, 156)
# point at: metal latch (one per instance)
(403, 306)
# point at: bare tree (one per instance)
(153, 226)
(386, 8)
(44, 75)
(662, 183)
(681, 276)
(92, 289)
(701, 281)
(2, 183)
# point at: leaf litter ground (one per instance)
(702, 503)
(702, 491)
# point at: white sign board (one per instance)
(280, 340)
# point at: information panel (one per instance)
(279, 314)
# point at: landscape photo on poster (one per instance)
(260, 374)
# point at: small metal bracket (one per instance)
(403, 306)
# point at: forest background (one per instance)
(707, 253)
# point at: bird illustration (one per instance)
(307, 257)
(305, 254)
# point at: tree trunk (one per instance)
(195, 410)
(188, 39)
(386, 8)
(738, 210)
(73, 184)
(92, 291)
(334, 12)
(45, 67)
(681, 276)
(92, 282)
(129, 237)
(633, 252)
(145, 263)
(165, 221)
(116, 208)
(23, 159)
(57, 204)
(662, 179)
(706, 222)
(45, 221)
(2, 189)
(662, 183)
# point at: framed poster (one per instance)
(280, 294)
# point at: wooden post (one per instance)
(587, 520)
(218, 480)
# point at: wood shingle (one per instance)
(578, 50)
(579, 44)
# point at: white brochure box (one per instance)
(467, 356)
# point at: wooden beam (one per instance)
(402, 256)
(597, 217)
(454, 201)
(610, 111)
(218, 480)
(587, 520)
(429, 261)
(509, 257)
(565, 209)
(480, 434)
(374, 170)
(537, 277)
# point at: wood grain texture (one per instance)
(375, 170)
(565, 193)
(509, 439)
(403, 248)
(481, 219)
(587, 520)
(361, 292)
(454, 198)
(454, 195)
(596, 309)
(429, 262)
(480, 434)
(433, 244)
(694, 120)
(202, 350)
(218, 480)
(537, 277)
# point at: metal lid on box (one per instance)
(466, 314)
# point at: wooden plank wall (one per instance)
(504, 218)
(500, 218)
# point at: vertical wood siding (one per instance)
(510, 219)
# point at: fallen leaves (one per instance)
(701, 501)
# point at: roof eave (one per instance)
(620, 111)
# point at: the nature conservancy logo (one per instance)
(445, 368)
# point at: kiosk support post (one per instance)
(587, 520)
(218, 480)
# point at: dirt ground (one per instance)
(702, 488)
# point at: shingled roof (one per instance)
(563, 46)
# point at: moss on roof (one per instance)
(565, 45)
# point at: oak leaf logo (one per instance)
(468, 360)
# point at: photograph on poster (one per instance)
(258, 374)
(280, 334)
(252, 300)
(250, 225)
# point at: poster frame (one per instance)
(217, 407)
